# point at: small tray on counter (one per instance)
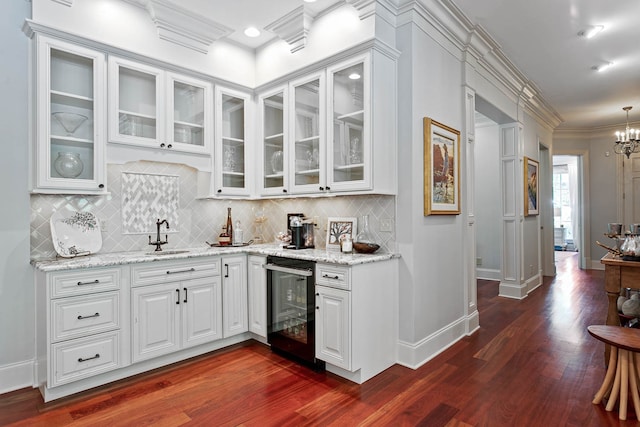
(234, 245)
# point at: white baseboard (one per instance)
(16, 376)
(414, 355)
(488, 274)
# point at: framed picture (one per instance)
(530, 187)
(441, 169)
(338, 227)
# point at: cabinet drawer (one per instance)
(333, 275)
(83, 315)
(172, 271)
(79, 282)
(84, 357)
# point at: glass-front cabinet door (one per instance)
(190, 114)
(349, 141)
(273, 106)
(307, 153)
(69, 155)
(136, 98)
(231, 171)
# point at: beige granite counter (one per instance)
(120, 258)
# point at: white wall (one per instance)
(125, 26)
(488, 200)
(16, 281)
(431, 272)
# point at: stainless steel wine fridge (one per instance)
(291, 309)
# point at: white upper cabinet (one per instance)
(349, 136)
(274, 142)
(136, 98)
(70, 134)
(307, 130)
(150, 107)
(190, 114)
(231, 175)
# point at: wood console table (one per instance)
(618, 275)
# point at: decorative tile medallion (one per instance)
(147, 198)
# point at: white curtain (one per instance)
(575, 208)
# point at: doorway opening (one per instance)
(566, 207)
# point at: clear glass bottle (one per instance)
(364, 236)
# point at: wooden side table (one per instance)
(623, 367)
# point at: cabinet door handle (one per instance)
(97, 356)
(317, 294)
(170, 146)
(100, 185)
(326, 276)
(226, 270)
(178, 296)
(185, 295)
(88, 317)
(162, 145)
(328, 188)
(284, 190)
(321, 188)
(89, 283)
(219, 190)
(188, 270)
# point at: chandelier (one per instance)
(627, 142)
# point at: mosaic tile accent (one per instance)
(147, 198)
(202, 220)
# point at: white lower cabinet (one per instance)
(175, 315)
(234, 294)
(357, 318)
(81, 323)
(257, 293)
(333, 326)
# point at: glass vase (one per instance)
(68, 164)
(364, 236)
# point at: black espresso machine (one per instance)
(301, 230)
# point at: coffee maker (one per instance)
(301, 232)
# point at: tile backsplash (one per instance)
(199, 220)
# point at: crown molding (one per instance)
(181, 26)
(293, 28)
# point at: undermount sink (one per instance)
(154, 253)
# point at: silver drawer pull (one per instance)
(297, 271)
(88, 317)
(97, 356)
(326, 276)
(89, 283)
(181, 271)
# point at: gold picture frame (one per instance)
(441, 169)
(531, 197)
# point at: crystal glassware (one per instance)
(69, 121)
(68, 164)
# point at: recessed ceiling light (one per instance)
(252, 32)
(591, 31)
(602, 67)
(309, 1)
(354, 76)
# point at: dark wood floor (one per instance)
(532, 363)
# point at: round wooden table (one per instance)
(622, 373)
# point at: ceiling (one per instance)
(539, 37)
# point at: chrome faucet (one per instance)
(158, 243)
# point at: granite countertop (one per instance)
(121, 258)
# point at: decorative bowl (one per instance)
(69, 121)
(365, 248)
